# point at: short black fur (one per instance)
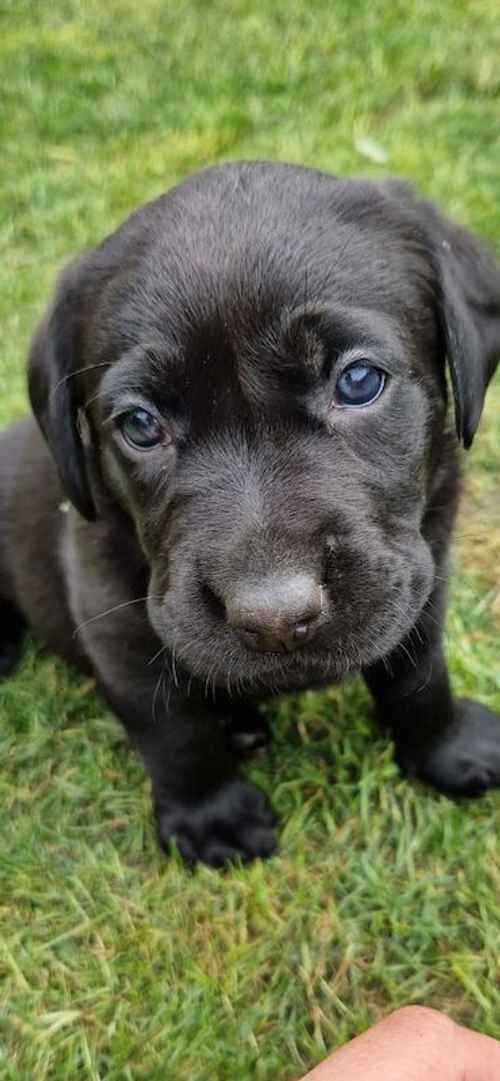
(272, 540)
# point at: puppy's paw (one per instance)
(466, 761)
(234, 822)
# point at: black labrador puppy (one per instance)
(243, 394)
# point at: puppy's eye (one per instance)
(141, 429)
(360, 384)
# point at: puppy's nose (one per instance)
(279, 612)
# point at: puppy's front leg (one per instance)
(453, 744)
(200, 801)
(247, 731)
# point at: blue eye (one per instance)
(360, 384)
(141, 429)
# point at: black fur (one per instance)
(12, 628)
(272, 540)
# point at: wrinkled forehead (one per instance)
(267, 363)
(226, 312)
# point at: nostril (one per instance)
(304, 630)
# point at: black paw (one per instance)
(466, 761)
(235, 822)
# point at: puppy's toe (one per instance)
(248, 736)
(217, 854)
(259, 841)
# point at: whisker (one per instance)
(78, 371)
(108, 612)
(407, 652)
(174, 665)
(94, 398)
(158, 687)
(158, 653)
(166, 696)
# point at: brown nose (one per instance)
(278, 612)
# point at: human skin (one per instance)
(413, 1044)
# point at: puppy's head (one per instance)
(253, 367)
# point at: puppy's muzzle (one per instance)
(276, 613)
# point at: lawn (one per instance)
(115, 964)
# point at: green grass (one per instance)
(116, 965)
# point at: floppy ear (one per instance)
(468, 281)
(55, 358)
(470, 313)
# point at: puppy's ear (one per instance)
(469, 308)
(54, 360)
(470, 311)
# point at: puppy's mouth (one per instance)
(290, 629)
(201, 640)
(243, 670)
(218, 657)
